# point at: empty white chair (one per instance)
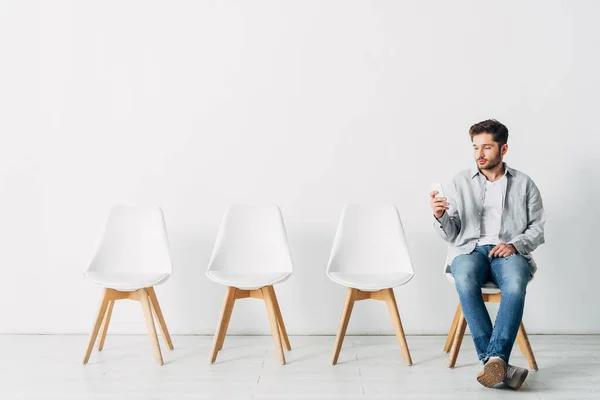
(132, 258)
(370, 256)
(251, 255)
(491, 294)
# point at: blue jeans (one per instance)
(511, 274)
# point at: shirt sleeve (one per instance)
(533, 236)
(448, 225)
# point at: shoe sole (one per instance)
(521, 380)
(493, 373)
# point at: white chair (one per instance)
(491, 294)
(132, 258)
(251, 255)
(370, 256)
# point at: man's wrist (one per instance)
(440, 217)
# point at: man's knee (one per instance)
(515, 282)
(465, 269)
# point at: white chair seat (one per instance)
(487, 288)
(247, 281)
(126, 282)
(370, 282)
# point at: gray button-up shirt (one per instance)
(522, 221)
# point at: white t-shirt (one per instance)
(492, 211)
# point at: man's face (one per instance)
(488, 153)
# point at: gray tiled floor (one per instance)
(370, 367)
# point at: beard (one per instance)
(493, 163)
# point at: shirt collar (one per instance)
(507, 171)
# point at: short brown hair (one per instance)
(493, 127)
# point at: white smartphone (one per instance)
(438, 186)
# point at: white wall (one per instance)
(306, 104)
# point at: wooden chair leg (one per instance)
(346, 313)
(145, 300)
(269, 303)
(525, 347)
(226, 310)
(452, 331)
(105, 324)
(457, 340)
(390, 300)
(226, 321)
(106, 297)
(159, 317)
(282, 330)
(225, 326)
(227, 317)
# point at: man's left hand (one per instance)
(503, 250)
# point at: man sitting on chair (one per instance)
(493, 218)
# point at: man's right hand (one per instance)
(439, 205)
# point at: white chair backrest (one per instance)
(370, 239)
(134, 242)
(252, 239)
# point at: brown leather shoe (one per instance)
(493, 372)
